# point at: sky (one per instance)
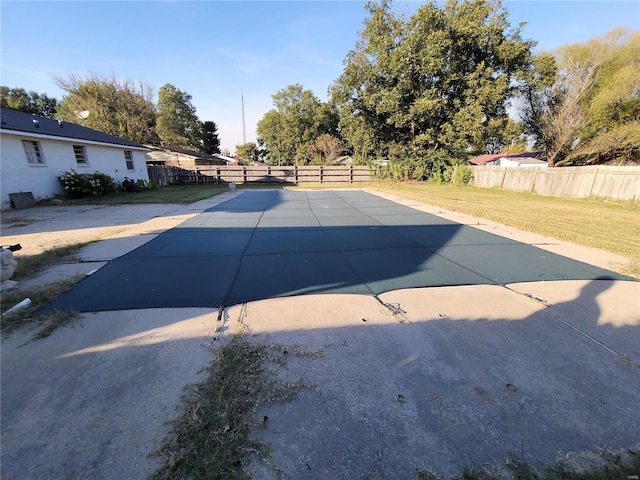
(222, 51)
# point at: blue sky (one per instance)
(213, 50)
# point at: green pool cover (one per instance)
(274, 243)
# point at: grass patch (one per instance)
(211, 438)
(171, 194)
(28, 317)
(607, 465)
(28, 265)
(178, 194)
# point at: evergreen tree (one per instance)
(210, 139)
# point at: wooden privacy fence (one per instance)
(620, 183)
(163, 175)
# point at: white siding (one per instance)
(16, 175)
(518, 162)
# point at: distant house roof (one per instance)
(493, 158)
(15, 121)
(523, 162)
(226, 158)
(184, 151)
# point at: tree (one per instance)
(117, 107)
(271, 135)
(297, 120)
(31, 102)
(536, 95)
(177, 123)
(210, 139)
(325, 148)
(505, 135)
(247, 151)
(582, 103)
(438, 81)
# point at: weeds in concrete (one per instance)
(605, 465)
(211, 438)
(28, 317)
(424, 474)
(28, 265)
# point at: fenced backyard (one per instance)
(165, 175)
(620, 183)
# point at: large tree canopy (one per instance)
(29, 102)
(177, 122)
(434, 85)
(298, 119)
(118, 107)
(582, 101)
(248, 151)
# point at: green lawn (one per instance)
(184, 194)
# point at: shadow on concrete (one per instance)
(472, 376)
(482, 370)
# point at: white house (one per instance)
(526, 159)
(35, 150)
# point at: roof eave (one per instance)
(71, 140)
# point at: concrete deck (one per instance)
(459, 375)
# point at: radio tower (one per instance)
(244, 129)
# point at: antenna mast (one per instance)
(244, 129)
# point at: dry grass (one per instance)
(605, 465)
(29, 265)
(28, 317)
(211, 438)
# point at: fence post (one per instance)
(295, 173)
(350, 173)
(321, 172)
(533, 181)
(593, 184)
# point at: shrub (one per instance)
(78, 185)
(421, 165)
(150, 185)
(462, 175)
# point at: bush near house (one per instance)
(79, 185)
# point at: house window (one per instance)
(81, 155)
(33, 151)
(128, 156)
